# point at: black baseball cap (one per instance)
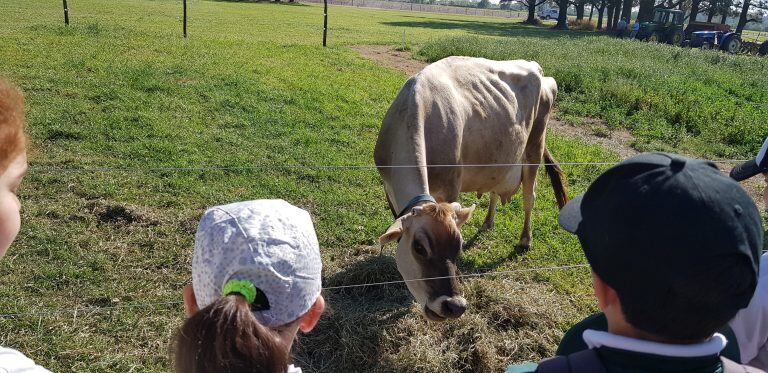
(655, 218)
(751, 168)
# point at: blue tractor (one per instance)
(723, 40)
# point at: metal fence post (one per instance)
(185, 18)
(66, 13)
(325, 21)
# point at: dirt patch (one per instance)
(387, 56)
(597, 132)
(118, 214)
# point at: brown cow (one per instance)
(460, 111)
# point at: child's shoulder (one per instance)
(12, 361)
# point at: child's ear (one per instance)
(190, 301)
(310, 319)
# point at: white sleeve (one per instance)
(12, 361)
(751, 324)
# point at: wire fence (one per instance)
(430, 8)
(322, 167)
(76, 310)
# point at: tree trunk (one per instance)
(743, 16)
(562, 18)
(609, 20)
(724, 19)
(626, 11)
(591, 10)
(616, 13)
(580, 9)
(600, 10)
(694, 10)
(531, 20)
(645, 13)
(711, 12)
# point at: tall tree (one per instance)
(743, 15)
(645, 12)
(600, 11)
(694, 10)
(562, 18)
(626, 11)
(712, 10)
(579, 5)
(531, 6)
(609, 20)
(616, 13)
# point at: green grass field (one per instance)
(252, 86)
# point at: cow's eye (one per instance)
(419, 249)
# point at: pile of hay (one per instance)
(378, 328)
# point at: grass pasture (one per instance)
(120, 88)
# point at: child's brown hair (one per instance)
(226, 337)
(12, 139)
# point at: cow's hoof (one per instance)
(522, 248)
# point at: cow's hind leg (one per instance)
(529, 195)
(488, 224)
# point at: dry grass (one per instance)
(509, 320)
(582, 24)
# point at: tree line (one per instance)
(614, 10)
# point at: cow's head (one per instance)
(428, 245)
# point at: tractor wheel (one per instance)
(763, 51)
(676, 38)
(654, 38)
(732, 45)
(706, 46)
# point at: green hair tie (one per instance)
(243, 287)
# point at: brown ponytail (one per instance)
(226, 337)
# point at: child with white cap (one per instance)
(255, 284)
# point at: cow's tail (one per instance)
(557, 177)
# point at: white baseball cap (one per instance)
(268, 243)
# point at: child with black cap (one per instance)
(674, 247)
(750, 325)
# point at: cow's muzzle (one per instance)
(445, 308)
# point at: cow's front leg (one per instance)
(488, 224)
(529, 195)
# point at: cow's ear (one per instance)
(393, 233)
(462, 214)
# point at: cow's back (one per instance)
(463, 110)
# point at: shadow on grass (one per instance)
(507, 28)
(353, 328)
